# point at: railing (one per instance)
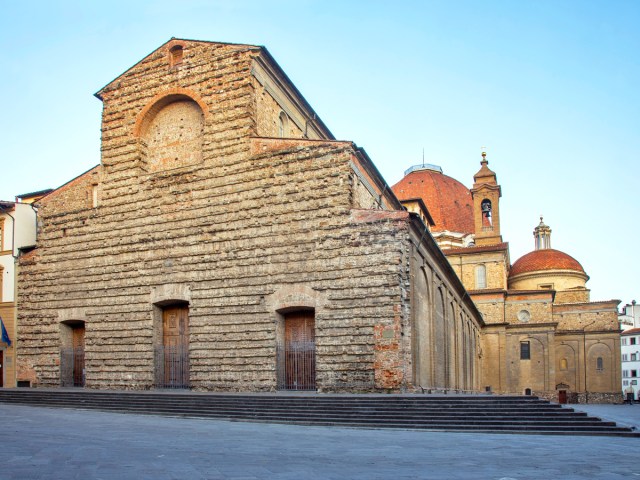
(296, 365)
(171, 367)
(72, 372)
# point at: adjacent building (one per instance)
(630, 349)
(629, 316)
(17, 234)
(542, 334)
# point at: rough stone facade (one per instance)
(201, 204)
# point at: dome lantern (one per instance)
(542, 235)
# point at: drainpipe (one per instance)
(35, 219)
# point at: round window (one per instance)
(524, 316)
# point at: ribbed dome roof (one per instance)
(449, 201)
(545, 259)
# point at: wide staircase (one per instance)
(459, 413)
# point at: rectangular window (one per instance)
(625, 357)
(481, 277)
(634, 357)
(623, 341)
(632, 341)
(625, 373)
(634, 373)
(625, 383)
(525, 351)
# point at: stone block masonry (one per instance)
(193, 207)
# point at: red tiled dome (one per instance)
(545, 259)
(448, 200)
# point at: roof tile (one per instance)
(449, 201)
(545, 259)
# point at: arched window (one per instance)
(481, 277)
(599, 364)
(283, 125)
(485, 206)
(563, 364)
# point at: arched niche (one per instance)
(170, 131)
(422, 329)
(566, 366)
(600, 376)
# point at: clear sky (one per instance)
(550, 87)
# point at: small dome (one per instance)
(545, 259)
(449, 201)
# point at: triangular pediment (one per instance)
(163, 49)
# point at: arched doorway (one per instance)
(72, 354)
(172, 357)
(297, 352)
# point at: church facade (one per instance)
(228, 242)
(542, 334)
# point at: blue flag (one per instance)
(5, 335)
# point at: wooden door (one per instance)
(175, 335)
(77, 342)
(562, 396)
(300, 351)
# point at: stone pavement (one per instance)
(623, 415)
(43, 443)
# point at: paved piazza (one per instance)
(46, 443)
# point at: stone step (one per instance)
(456, 413)
(252, 400)
(302, 409)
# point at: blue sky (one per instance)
(551, 88)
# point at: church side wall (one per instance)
(444, 334)
(268, 112)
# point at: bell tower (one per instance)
(486, 195)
